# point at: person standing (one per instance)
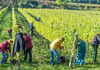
(53, 47)
(19, 43)
(31, 28)
(80, 44)
(10, 33)
(28, 46)
(3, 49)
(18, 48)
(95, 43)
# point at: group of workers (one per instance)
(24, 43)
(20, 27)
(78, 43)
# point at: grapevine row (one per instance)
(2, 12)
(15, 26)
(56, 24)
(86, 23)
(37, 25)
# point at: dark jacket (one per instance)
(95, 41)
(28, 42)
(19, 44)
(0, 28)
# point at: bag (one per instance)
(62, 59)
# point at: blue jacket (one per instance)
(31, 26)
(38, 18)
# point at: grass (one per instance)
(40, 51)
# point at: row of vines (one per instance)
(58, 23)
(15, 28)
(2, 12)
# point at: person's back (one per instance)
(19, 26)
(28, 46)
(31, 25)
(19, 44)
(95, 40)
(10, 30)
(3, 46)
(79, 41)
(28, 41)
(95, 44)
(54, 44)
(38, 19)
(19, 38)
(31, 28)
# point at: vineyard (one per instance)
(53, 24)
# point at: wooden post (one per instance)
(18, 61)
(48, 44)
(72, 57)
(45, 42)
(72, 61)
(65, 57)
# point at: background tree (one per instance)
(58, 2)
(78, 0)
(90, 1)
(74, 1)
(65, 2)
(97, 1)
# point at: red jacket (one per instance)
(4, 46)
(10, 30)
(28, 42)
(19, 26)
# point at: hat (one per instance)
(10, 41)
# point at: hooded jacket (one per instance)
(19, 44)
